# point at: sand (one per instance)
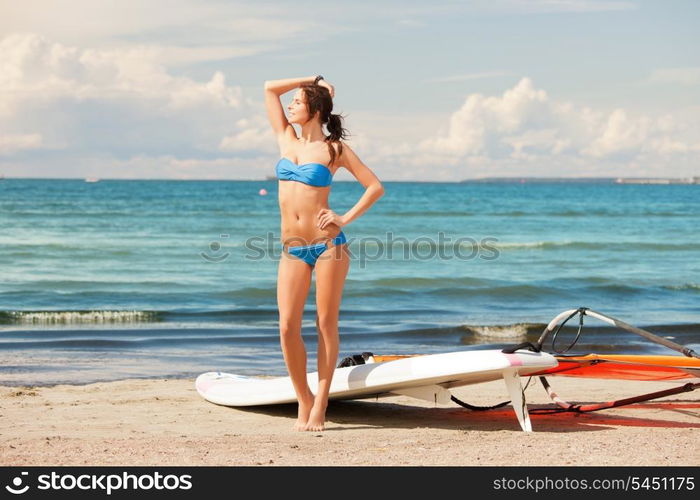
(165, 422)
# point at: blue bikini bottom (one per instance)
(311, 253)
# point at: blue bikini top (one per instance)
(313, 174)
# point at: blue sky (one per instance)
(430, 90)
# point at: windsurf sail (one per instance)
(627, 367)
(684, 369)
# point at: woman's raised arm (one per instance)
(273, 90)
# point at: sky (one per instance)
(429, 91)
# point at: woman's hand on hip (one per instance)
(327, 216)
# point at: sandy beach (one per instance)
(165, 422)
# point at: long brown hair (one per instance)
(318, 99)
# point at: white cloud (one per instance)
(526, 119)
(124, 110)
(178, 31)
(620, 134)
(252, 134)
(476, 127)
(524, 131)
(115, 100)
(32, 67)
(196, 30)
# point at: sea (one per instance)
(120, 279)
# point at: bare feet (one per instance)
(305, 406)
(317, 418)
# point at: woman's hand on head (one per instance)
(327, 216)
(331, 89)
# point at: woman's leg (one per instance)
(293, 282)
(331, 270)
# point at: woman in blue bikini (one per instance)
(311, 231)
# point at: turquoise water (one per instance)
(115, 279)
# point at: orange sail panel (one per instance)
(627, 367)
(612, 366)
